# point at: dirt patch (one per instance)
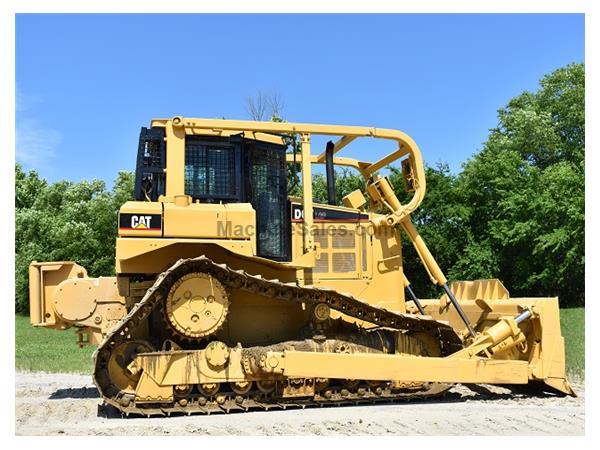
(55, 404)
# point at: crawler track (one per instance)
(339, 394)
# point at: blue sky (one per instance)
(87, 83)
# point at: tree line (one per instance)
(516, 210)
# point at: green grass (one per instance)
(572, 326)
(46, 350)
(41, 349)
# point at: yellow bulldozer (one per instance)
(231, 295)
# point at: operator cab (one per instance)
(231, 169)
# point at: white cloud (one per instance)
(35, 144)
(24, 102)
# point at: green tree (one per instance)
(346, 181)
(441, 222)
(65, 221)
(524, 193)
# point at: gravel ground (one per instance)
(67, 404)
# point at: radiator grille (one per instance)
(364, 250)
(322, 238)
(322, 264)
(343, 238)
(343, 262)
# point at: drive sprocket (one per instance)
(196, 305)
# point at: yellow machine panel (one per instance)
(217, 221)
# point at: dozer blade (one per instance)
(536, 339)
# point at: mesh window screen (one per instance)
(267, 191)
(210, 170)
(150, 164)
